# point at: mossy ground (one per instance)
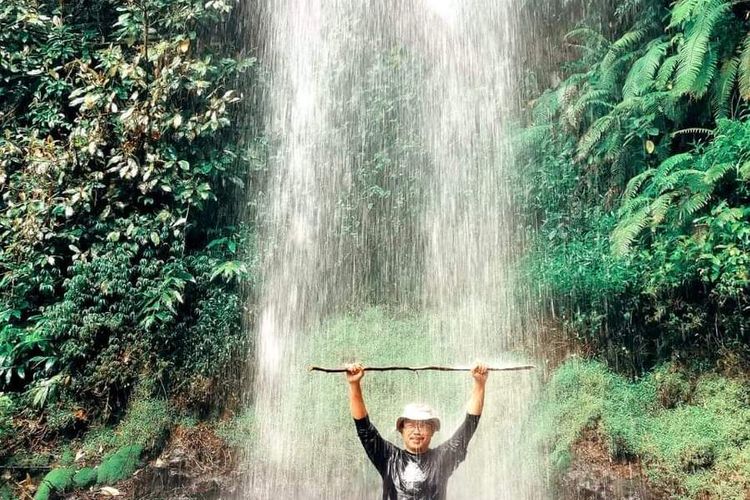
(691, 432)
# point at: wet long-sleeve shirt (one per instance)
(409, 476)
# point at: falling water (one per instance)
(388, 185)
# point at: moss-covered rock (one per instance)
(56, 481)
(85, 477)
(119, 465)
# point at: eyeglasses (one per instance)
(411, 425)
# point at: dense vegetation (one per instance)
(637, 186)
(119, 263)
(636, 217)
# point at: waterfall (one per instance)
(388, 185)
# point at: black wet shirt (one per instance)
(409, 476)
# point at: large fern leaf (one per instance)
(627, 42)
(628, 229)
(574, 113)
(594, 134)
(683, 10)
(641, 76)
(721, 93)
(531, 137)
(743, 69)
(661, 206)
(635, 183)
(666, 70)
(693, 51)
(705, 76)
(716, 172)
(694, 202)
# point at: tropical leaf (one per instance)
(635, 183)
(641, 75)
(594, 134)
(743, 69)
(593, 97)
(683, 10)
(666, 70)
(693, 51)
(628, 229)
(661, 206)
(721, 93)
(628, 42)
(716, 172)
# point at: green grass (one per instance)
(690, 431)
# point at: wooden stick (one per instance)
(420, 368)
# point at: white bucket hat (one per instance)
(417, 411)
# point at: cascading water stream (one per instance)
(416, 92)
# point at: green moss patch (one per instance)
(55, 482)
(690, 432)
(119, 465)
(85, 477)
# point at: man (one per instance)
(416, 472)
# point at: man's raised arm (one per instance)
(354, 373)
(476, 401)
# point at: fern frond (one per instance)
(666, 70)
(594, 134)
(690, 180)
(705, 76)
(573, 114)
(545, 107)
(743, 70)
(674, 161)
(682, 11)
(721, 92)
(661, 206)
(590, 39)
(693, 51)
(692, 131)
(716, 172)
(641, 76)
(635, 183)
(744, 171)
(530, 137)
(694, 203)
(627, 42)
(628, 229)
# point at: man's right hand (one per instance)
(354, 372)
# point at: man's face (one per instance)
(417, 435)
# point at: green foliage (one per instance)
(56, 482)
(690, 433)
(643, 145)
(85, 477)
(114, 152)
(119, 465)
